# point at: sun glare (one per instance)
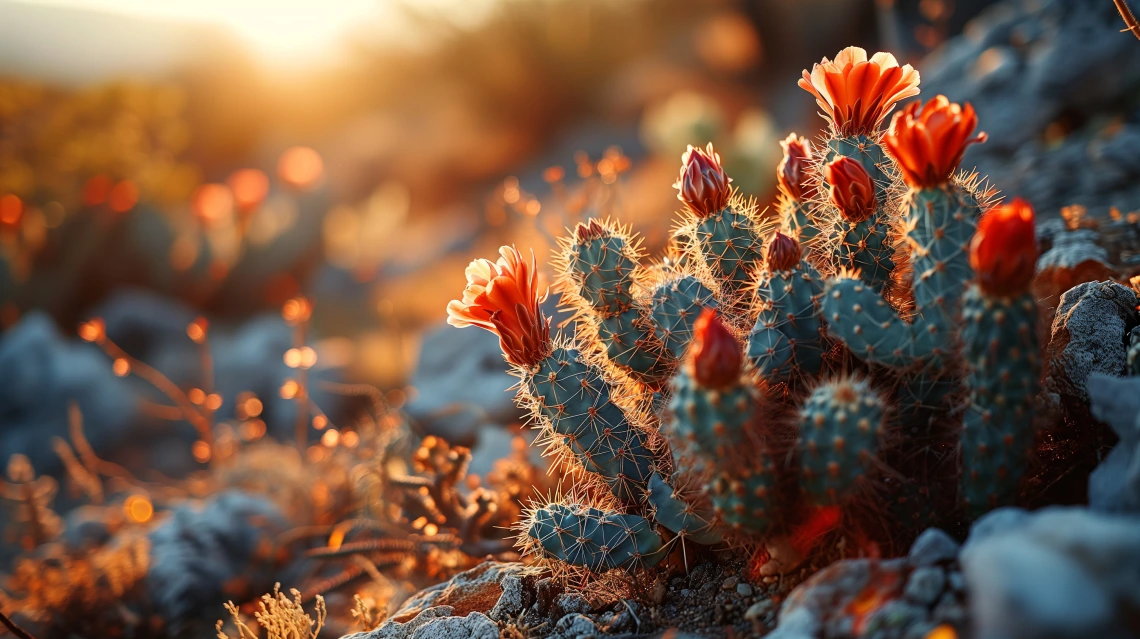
(291, 29)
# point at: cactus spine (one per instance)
(594, 539)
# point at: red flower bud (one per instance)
(852, 190)
(792, 171)
(783, 252)
(703, 185)
(715, 357)
(1004, 250)
(929, 140)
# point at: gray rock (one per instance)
(41, 372)
(1115, 484)
(744, 590)
(924, 586)
(475, 625)
(576, 625)
(573, 602)
(1056, 573)
(1088, 336)
(198, 553)
(397, 630)
(461, 384)
(996, 521)
(797, 624)
(949, 610)
(1027, 65)
(896, 618)
(511, 602)
(760, 610)
(933, 546)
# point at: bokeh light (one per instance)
(300, 167)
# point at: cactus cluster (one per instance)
(869, 347)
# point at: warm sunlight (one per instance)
(292, 29)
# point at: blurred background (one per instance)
(234, 165)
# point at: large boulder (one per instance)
(1115, 484)
(1089, 335)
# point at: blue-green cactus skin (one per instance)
(786, 341)
(631, 344)
(841, 425)
(731, 246)
(595, 539)
(679, 515)
(867, 246)
(676, 306)
(796, 222)
(999, 339)
(576, 400)
(710, 423)
(604, 272)
(940, 226)
(745, 501)
(867, 152)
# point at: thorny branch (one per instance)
(19, 632)
(1129, 17)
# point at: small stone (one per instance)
(896, 614)
(685, 592)
(759, 610)
(572, 602)
(771, 579)
(576, 625)
(798, 624)
(475, 625)
(933, 546)
(744, 590)
(949, 611)
(510, 603)
(925, 585)
(957, 584)
(730, 582)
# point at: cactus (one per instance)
(712, 405)
(865, 241)
(840, 428)
(568, 396)
(795, 191)
(597, 273)
(940, 223)
(767, 427)
(724, 232)
(677, 304)
(786, 343)
(1133, 357)
(999, 337)
(679, 514)
(592, 538)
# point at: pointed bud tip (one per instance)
(852, 190)
(703, 184)
(784, 252)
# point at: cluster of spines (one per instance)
(595, 539)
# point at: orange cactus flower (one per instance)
(783, 252)
(1004, 250)
(703, 184)
(792, 171)
(855, 93)
(503, 297)
(929, 141)
(852, 190)
(715, 357)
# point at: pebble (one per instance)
(933, 546)
(685, 592)
(925, 585)
(759, 610)
(744, 590)
(730, 582)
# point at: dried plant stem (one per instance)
(1129, 17)
(13, 628)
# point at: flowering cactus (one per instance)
(795, 375)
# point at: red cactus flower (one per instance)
(589, 231)
(783, 252)
(852, 191)
(855, 93)
(792, 171)
(715, 357)
(929, 141)
(1004, 250)
(703, 185)
(502, 297)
